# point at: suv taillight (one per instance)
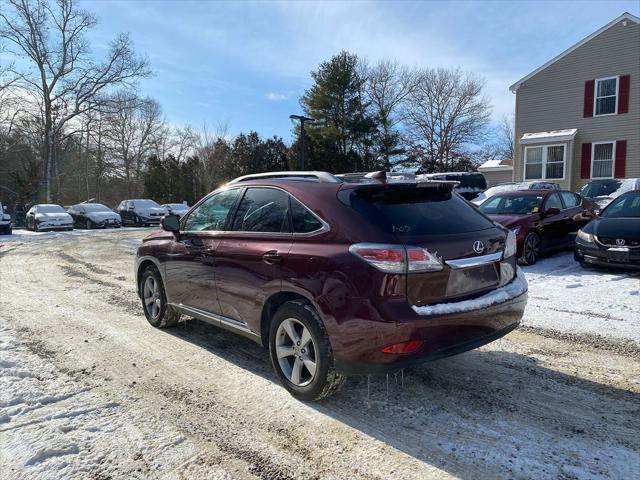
(397, 258)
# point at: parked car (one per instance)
(178, 209)
(613, 238)
(43, 217)
(140, 212)
(5, 220)
(604, 191)
(470, 184)
(514, 186)
(335, 277)
(94, 215)
(542, 220)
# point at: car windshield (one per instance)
(512, 205)
(626, 206)
(600, 189)
(146, 204)
(415, 210)
(94, 207)
(50, 209)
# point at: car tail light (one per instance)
(397, 258)
(511, 246)
(403, 348)
(421, 260)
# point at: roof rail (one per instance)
(322, 177)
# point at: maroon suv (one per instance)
(337, 276)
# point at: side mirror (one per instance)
(171, 223)
(551, 211)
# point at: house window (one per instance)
(544, 163)
(602, 156)
(606, 96)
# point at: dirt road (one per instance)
(89, 390)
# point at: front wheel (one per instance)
(531, 249)
(301, 353)
(154, 300)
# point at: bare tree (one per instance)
(48, 36)
(505, 135)
(389, 85)
(134, 126)
(447, 113)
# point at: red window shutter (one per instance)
(623, 93)
(585, 165)
(589, 90)
(621, 159)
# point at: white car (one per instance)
(514, 187)
(178, 209)
(48, 217)
(5, 220)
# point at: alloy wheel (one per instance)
(152, 297)
(531, 249)
(296, 352)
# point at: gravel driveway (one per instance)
(89, 390)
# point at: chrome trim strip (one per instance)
(595, 237)
(474, 261)
(217, 320)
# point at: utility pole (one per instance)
(302, 120)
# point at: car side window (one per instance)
(211, 215)
(303, 220)
(570, 199)
(553, 201)
(263, 210)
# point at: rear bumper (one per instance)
(602, 257)
(358, 349)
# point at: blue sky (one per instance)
(246, 64)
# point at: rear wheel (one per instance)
(154, 300)
(301, 353)
(531, 249)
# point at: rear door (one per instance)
(249, 259)
(554, 228)
(577, 214)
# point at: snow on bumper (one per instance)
(500, 295)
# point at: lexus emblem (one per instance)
(620, 242)
(478, 247)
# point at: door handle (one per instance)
(272, 257)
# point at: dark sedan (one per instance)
(542, 220)
(613, 238)
(94, 215)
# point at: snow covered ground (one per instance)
(89, 390)
(566, 297)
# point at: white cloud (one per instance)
(276, 97)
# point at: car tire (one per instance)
(159, 313)
(89, 224)
(531, 249)
(293, 324)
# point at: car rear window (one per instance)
(472, 180)
(415, 210)
(600, 189)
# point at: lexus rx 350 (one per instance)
(336, 276)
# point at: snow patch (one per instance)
(500, 295)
